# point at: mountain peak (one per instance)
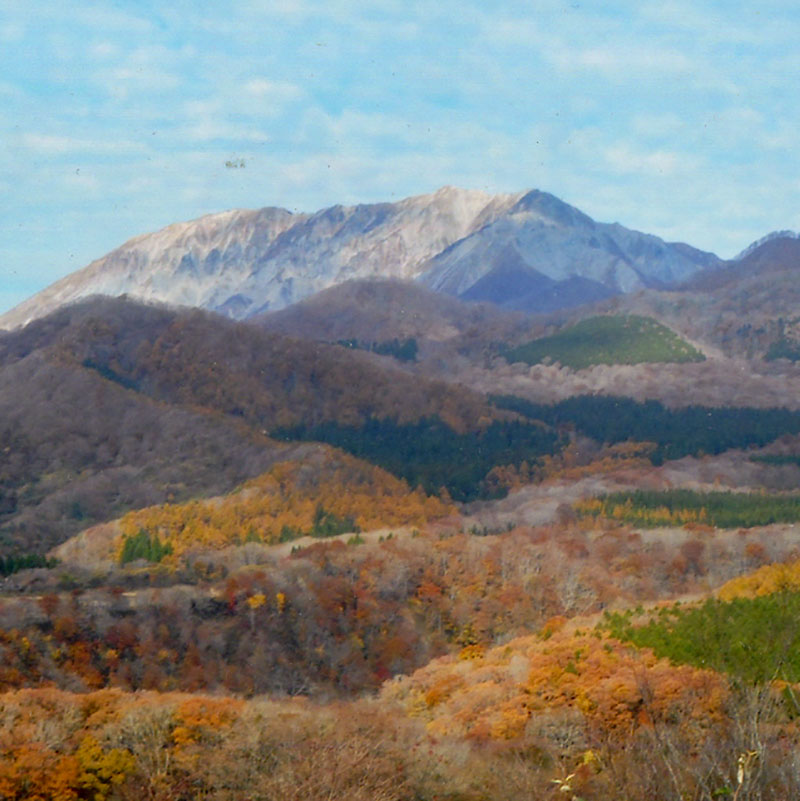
(242, 262)
(763, 241)
(552, 208)
(449, 189)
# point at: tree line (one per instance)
(15, 562)
(404, 350)
(431, 454)
(688, 431)
(651, 508)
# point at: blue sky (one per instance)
(117, 118)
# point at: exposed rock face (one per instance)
(556, 257)
(462, 242)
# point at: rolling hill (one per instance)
(609, 339)
(739, 307)
(109, 405)
(382, 310)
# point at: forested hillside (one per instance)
(587, 704)
(382, 310)
(112, 405)
(79, 449)
(308, 520)
(609, 339)
(323, 494)
(264, 379)
(430, 454)
(674, 433)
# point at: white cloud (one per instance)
(209, 130)
(11, 32)
(625, 60)
(196, 109)
(84, 184)
(145, 69)
(103, 50)
(274, 91)
(744, 128)
(625, 158)
(739, 24)
(48, 144)
(99, 18)
(658, 125)
(124, 79)
(9, 90)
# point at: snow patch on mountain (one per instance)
(551, 237)
(244, 262)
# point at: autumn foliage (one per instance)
(289, 501)
(615, 689)
(56, 746)
(768, 579)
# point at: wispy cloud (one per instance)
(675, 117)
(618, 61)
(48, 144)
(627, 159)
(269, 90)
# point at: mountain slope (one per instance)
(379, 310)
(321, 493)
(242, 262)
(544, 236)
(109, 404)
(78, 449)
(763, 241)
(742, 307)
(263, 379)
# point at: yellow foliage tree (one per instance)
(285, 502)
(102, 771)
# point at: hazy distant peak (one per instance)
(763, 241)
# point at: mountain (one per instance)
(529, 290)
(240, 263)
(543, 254)
(110, 404)
(742, 306)
(761, 263)
(378, 310)
(763, 241)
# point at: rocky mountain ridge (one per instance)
(465, 243)
(542, 245)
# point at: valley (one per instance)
(462, 497)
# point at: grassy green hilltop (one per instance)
(615, 339)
